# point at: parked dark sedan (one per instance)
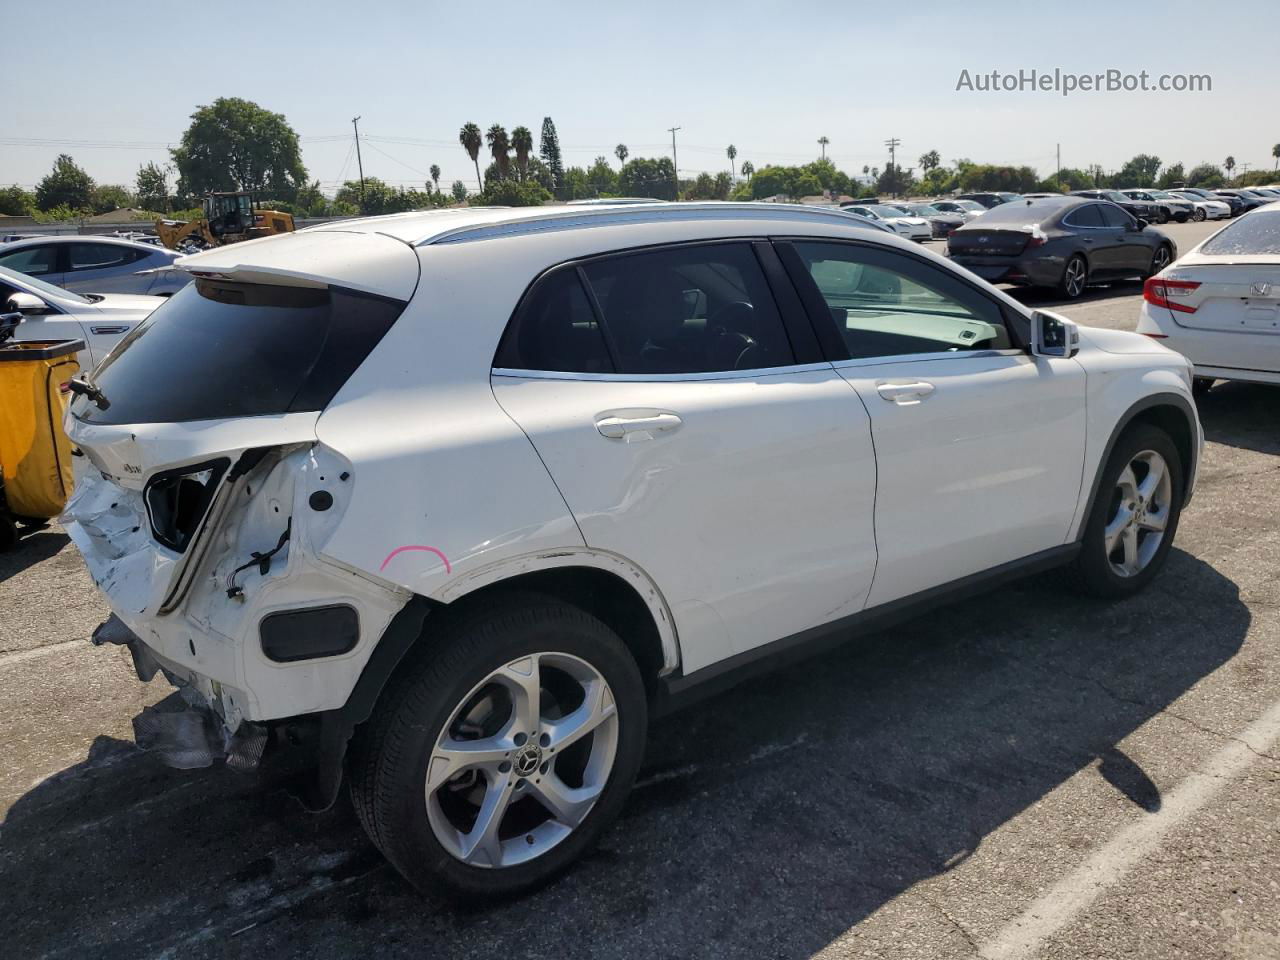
(1061, 242)
(990, 200)
(1141, 209)
(1250, 199)
(942, 224)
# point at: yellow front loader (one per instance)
(228, 218)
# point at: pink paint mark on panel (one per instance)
(398, 550)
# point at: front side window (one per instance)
(219, 349)
(1117, 217)
(691, 309)
(33, 261)
(886, 304)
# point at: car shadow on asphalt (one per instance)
(1051, 299)
(1245, 415)
(32, 548)
(767, 821)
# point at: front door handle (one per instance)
(640, 427)
(905, 394)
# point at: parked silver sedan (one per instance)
(88, 264)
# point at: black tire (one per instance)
(1065, 285)
(8, 532)
(1199, 215)
(1200, 386)
(1163, 216)
(388, 764)
(1092, 568)
(1161, 257)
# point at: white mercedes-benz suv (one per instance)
(457, 501)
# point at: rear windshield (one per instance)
(1253, 233)
(218, 349)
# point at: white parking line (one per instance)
(21, 656)
(1075, 892)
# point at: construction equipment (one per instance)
(228, 218)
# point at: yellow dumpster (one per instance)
(35, 457)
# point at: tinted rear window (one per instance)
(1251, 234)
(218, 349)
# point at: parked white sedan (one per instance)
(1205, 209)
(904, 225)
(1219, 305)
(88, 264)
(51, 313)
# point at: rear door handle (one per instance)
(905, 394)
(642, 427)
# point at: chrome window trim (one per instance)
(937, 355)
(756, 374)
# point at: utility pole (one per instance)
(893, 143)
(359, 163)
(675, 164)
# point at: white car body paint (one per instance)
(756, 518)
(1233, 331)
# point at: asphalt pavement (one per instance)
(1026, 774)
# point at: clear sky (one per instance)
(769, 77)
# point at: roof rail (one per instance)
(581, 217)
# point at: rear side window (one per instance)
(33, 261)
(218, 349)
(100, 256)
(692, 309)
(1090, 215)
(1254, 233)
(555, 330)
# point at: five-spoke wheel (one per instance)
(1140, 504)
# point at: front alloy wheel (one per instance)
(522, 760)
(1139, 514)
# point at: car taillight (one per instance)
(1163, 292)
(1036, 240)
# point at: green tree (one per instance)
(309, 202)
(732, 153)
(601, 177)
(105, 197)
(1229, 164)
(748, 168)
(1204, 175)
(512, 193)
(704, 188)
(549, 151)
(621, 152)
(459, 191)
(67, 185)
(1172, 174)
(472, 140)
(576, 185)
(895, 180)
(435, 175)
(234, 144)
(522, 144)
(152, 185)
(929, 162)
(16, 202)
(937, 182)
(985, 176)
(500, 149)
(724, 184)
(1140, 171)
(648, 177)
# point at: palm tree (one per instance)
(1230, 164)
(621, 152)
(1275, 152)
(472, 140)
(500, 149)
(435, 176)
(748, 169)
(733, 155)
(866, 170)
(522, 144)
(822, 142)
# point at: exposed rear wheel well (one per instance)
(604, 595)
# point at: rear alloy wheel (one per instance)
(1160, 259)
(1075, 277)
(1135, 514)
(1163, 216)
(504, 749)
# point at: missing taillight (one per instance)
(1163, 292)
(177, 501)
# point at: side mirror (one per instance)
(27, 304)
(1053, 336)
(1139, 226)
